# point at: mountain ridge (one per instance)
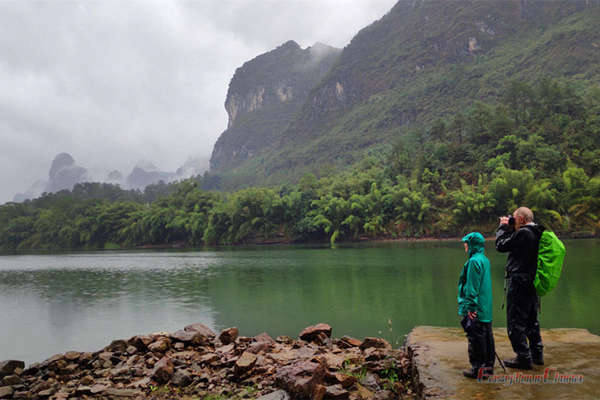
(421, 61)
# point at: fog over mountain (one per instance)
(113, 82)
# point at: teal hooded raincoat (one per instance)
(475, 281)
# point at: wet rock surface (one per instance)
(440, 354)
(194, 363)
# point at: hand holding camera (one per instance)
(507, 220)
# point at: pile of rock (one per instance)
(194, 363)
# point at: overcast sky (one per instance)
(114, 82)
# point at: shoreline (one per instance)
(184, 246)
(196, 363)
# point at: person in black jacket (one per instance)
(520, 236)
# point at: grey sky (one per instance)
(113, 82)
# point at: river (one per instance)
(52, 303)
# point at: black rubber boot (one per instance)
(519, 363)
(537, 354)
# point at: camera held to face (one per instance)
(511, 220)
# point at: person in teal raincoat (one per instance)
(475, 306)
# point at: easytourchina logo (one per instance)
(550, 376)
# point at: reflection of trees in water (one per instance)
(355, 290)
(281, 291)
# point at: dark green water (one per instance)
(81, 301)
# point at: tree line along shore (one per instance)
(538, 146)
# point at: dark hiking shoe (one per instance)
(519, 363)
(538, 360)
(470, 373)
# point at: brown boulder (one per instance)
(245, 363)
(11, 380)
(118, 346)
(141, 342)
(160, 346)
(205, 330)
(345, 380)
(181, 378)
(336, 392)
(263, 338)
(376, 342)
(346, 342)
(72, 355)
(122, 392)
(229, 335)
(8, 367)
(6, 392)
(163, 370)
(313, 332)
(301, 379)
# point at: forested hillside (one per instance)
(433, 121)
(422, 61)
(538, 147)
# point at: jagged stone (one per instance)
(314, 332)
(11, 380)
(141, 342)
(277, 395)
(160, 346)
(345, 380)
(163, 370)
(8, 367)
(46, 393)
(336, 392)
(122, 392)
(245, 363)
(6, 392)
(72, 355)
(378, 343)
(301, 378)
(205, 330)
(181, 378)
(229, 335)
(119, 346)
(347, 342)
(284, 339)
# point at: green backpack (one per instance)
(551, 254)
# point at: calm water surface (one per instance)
(82, 301)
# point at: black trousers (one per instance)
(522, 318)
(481, 343)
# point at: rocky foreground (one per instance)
(194, 363)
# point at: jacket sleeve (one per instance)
(474, 275)
(505, 238)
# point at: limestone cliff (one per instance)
(263, 97)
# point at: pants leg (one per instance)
(477, 344)
(519, 316)
(490, 346)
(533, 330)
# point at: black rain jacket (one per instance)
(522, 247)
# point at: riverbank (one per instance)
(569, 372)
(196, 363)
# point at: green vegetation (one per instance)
(539, 146)
(350, 369)
(413, 67)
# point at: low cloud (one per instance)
(113, 82)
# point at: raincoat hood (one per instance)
(476, 242)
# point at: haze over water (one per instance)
(53, 303)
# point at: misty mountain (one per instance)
(263, 97)
(64, 173)
(422, 61)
